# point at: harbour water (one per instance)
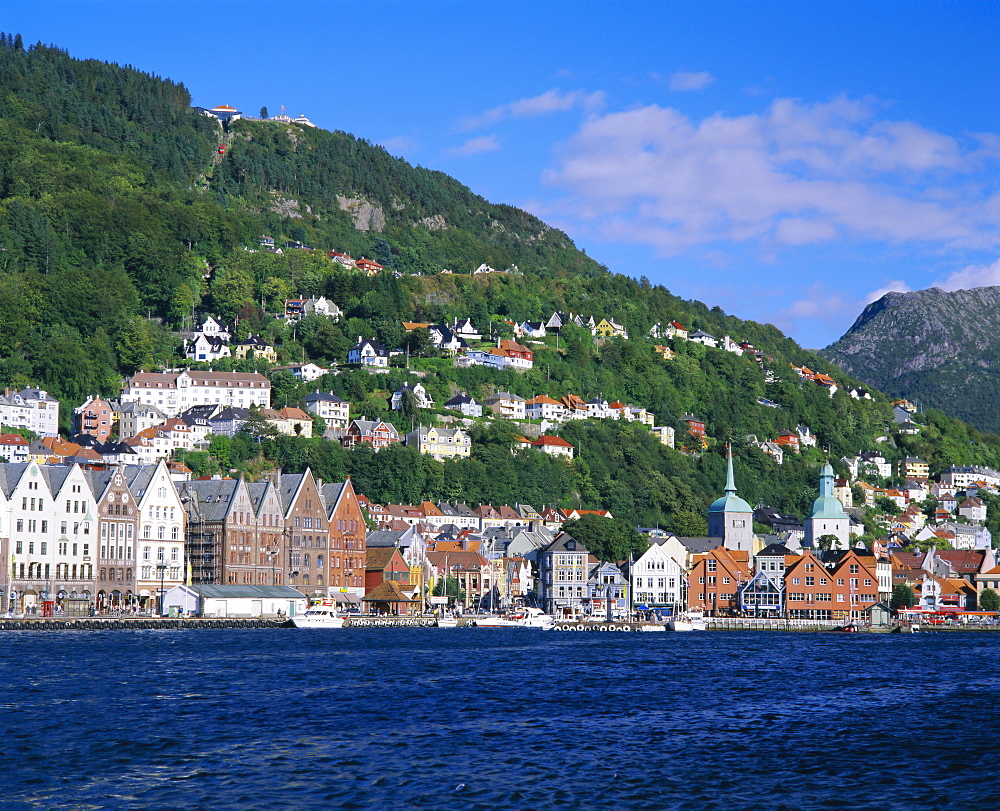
(477, 718)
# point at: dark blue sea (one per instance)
(483, 718)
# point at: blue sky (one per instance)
(786, 161)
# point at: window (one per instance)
(810, 581)
(796, 580)
(711, 565)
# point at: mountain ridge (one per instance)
(936, 346)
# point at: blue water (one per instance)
(477, 718)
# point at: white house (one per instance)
(465, 404)
(420, 395)
(368, 353)
(161, 528)
(30, 408)
(657, 578)
(334, 411)
(544, 407)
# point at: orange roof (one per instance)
(548, 439)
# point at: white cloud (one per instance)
(794, 174)
(972, 276)
(681, 81)
(551, 101)
(484, 143)
(895, 286)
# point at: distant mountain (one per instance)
(939, 349)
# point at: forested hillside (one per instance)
(120, 223)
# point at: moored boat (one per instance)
(689, 621)
(319, 616)
(522, 618)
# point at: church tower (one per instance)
(730, 517)
(828, 516)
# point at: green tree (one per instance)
(448, 587)
(687, 524)
(608, 539)
(902, 597)
(134, 346)
(264, 113)
(989, 600)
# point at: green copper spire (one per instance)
(730, 502)
(730, 479)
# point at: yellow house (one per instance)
(609, 328)
(440, 443)
(255, 347)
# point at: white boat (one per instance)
(447, 621)
(521, 618)
(689, 621)
(319, 616)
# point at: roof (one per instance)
(548, 439)
(378, 557)
(388, 591)
(235, 592)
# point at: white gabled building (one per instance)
(161, 528)
(368, 353)
(657, 577)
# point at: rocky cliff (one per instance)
(939, 348)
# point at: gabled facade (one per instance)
(348, 532)
(440, 443)
(308, 528)
(563, 568)
(658, 580)
(715, 579)
(368, 353)
(376, 433)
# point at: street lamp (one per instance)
(162, 569)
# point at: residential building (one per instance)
(174, 392)
(368, 353)
(14, 448)
(30, 408)
(440, 443)
(715, 578)
(465, 404)
(347, 533)
(506, 405)
(371, 432)
(544, 407)
(336, 412)
(255, 347)
(563, 568)
(308, 529)
(419, 395)
(658, 578)
(95, 417)
(553, 446)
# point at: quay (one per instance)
(135, 623)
